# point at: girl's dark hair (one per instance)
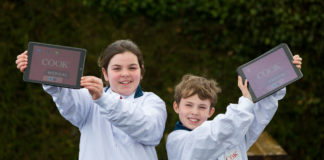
(121, 46)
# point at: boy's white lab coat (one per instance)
(113, 128)
(228, 136)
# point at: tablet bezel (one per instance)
(289, 55)
(80, 68)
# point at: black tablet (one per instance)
(270, 72)
(54, 65)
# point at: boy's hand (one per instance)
(297, 60)
(94, 86)
(22, 61)
(244, 87)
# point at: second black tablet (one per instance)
(54, 65)
(270, 72)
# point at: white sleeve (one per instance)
(143, 120)
(211, 139)
(263, 112)
(73, 104)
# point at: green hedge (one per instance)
(209, 38)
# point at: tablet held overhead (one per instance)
(55, 65)
(270, 72)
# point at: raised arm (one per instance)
(73, 104)
(265, 109)
(263, 112)
(142, 119)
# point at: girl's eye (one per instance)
(188, 105)
(132, 68)
(116, 69)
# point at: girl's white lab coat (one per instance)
(113, 128)
(228, 136)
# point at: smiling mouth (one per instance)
(125, 82)
(193, 120)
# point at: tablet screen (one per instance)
(270, 72)
(56, 65)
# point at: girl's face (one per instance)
(123, 73)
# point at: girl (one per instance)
(117, 122)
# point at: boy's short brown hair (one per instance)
(191, 85)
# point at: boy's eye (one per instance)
(203, 107)
(189, 105)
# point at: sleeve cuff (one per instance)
(107, 99)
(246, 104)
(52, 90)
(280, 94)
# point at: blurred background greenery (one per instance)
(202, 37)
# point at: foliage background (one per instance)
(208, 38)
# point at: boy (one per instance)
(228, 136)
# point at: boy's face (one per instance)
(123, 73)
(193, 111)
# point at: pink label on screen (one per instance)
(269, 72)
(54, 65)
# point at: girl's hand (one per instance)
(22, 61)
(94, 86)
(297, 60)
(244, 87)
